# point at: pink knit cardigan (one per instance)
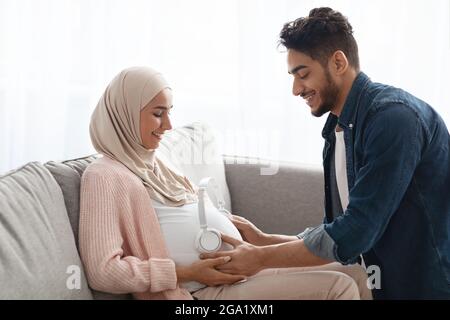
(121, 244)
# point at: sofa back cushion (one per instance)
(286, 202)
(38, 256)
(68, 175)
(193, 151)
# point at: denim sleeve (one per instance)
(391, 146)
(301, 235)
(319, 242)
(304, 233)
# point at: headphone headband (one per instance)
(208, 240)
(203, 187)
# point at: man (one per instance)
(386, 167)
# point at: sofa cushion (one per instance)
(286, 202)
(38, 257)
(193, 150)
(68, 175)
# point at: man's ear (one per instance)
(339, 62)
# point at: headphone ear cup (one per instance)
(208, 241)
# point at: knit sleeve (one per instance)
(101, 243)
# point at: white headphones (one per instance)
(208, 239)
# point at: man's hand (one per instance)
(205, 271)
(248, 259)
(245, 258)
(255, 236)
(249, 231)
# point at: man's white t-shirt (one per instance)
(340, 163)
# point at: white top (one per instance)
(340, 164)
(180, 227)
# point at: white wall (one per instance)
(221, 57)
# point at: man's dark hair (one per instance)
(319, 35)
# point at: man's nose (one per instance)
(297, 88)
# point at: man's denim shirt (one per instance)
(398, 171)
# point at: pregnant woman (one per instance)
(139, 219)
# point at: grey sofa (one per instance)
(39, 209)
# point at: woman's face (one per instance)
(155, 119)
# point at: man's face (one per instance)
(312, 82)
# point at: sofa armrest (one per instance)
(286, 202)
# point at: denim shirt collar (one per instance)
(347, 118)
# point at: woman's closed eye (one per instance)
(160, 113)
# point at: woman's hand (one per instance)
(249, 232)
(204, 271)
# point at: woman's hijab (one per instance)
(115, 132)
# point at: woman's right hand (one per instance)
(204, 271)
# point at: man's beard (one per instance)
(328, 96)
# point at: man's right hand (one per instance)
(204, 271)
(249, 232)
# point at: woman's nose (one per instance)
(166, 125)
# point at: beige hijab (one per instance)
(115, 132)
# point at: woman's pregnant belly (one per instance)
(180, 227)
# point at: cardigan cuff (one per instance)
(163, 275)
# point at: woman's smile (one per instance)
(157, 135)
